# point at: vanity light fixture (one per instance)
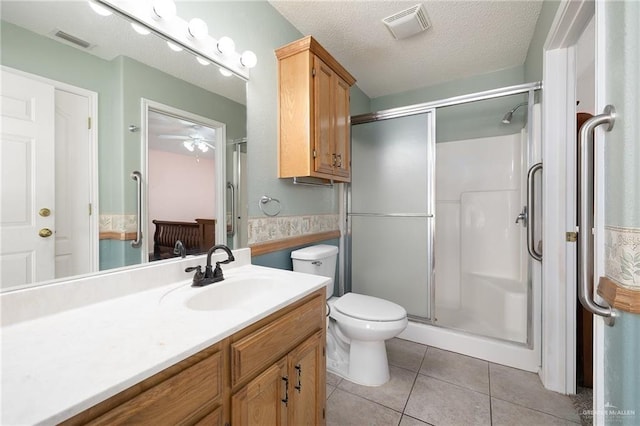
(140, 29)
(174, 47)
(248, 59)
(198, 29)
(159, 17)
(163, 9)
(226, 45)
(100, 10)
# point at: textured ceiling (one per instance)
(466, 38)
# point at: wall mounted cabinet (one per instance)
(313, 120)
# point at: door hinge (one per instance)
(313, 72)
(315, 153)
(323, 413)
(89, 123)
(324, 351)
(90, 209)
(571, 237)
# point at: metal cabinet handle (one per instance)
(286, 390)
(299, 371)
(137, 176)
(531, 211)
(231, 232)
(585, 226)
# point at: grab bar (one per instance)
(531, 211)
(137, 176)
(585, 225)
(232, 231)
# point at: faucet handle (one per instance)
(194, 268)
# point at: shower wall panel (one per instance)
(480, 285)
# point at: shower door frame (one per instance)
(429, 215)
(510, 353)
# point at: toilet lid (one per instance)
(369, 308)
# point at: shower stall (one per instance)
(442, 218)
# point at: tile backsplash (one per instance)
(622, 255)
(262, 229)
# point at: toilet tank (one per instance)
(317, 260)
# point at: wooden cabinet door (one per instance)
(306, 368)
(324, 127)
(342, 130)
(260, 402)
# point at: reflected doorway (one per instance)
(184, 181)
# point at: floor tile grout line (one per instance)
(490, 400)
(370, 400)
(413, 385)
(534, 409)
(454, 384)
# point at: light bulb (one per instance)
(226, 45)
(248, 59)
(174, 47)
(140, 29)
(100, 10)
(164, 9)
(202, 61)
(188, 145)
(203, 146)
(198, 28)
(225, 72)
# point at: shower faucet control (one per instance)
(522, 216)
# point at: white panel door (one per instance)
(27, 180)
(73, 184)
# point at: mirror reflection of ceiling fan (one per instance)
(192, 142)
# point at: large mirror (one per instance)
(94, 112)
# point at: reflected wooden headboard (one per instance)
(197, 237)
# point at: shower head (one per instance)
(508, 116)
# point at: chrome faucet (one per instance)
(179, 249)
(210, 275)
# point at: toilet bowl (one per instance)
(358, 324)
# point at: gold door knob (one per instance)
(45, 212)
(45, 232)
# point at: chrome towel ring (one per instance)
(265, 200)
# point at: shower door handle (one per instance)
(585, 225)
(137, 176)
(531, 209)
(232, 230)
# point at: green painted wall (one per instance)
(473, 120)
(533, 63)
(282, 259)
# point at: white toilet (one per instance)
(358, 325)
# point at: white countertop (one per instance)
(58, 365)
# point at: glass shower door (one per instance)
(390, 211)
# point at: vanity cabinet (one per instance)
(271, 372)
(314, 118)
(291, 391)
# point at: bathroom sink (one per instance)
(239, 293)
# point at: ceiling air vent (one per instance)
(72, 39)
(407, 22)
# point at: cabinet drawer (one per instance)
(269, 343)
(177, 400)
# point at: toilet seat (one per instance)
(368, 308)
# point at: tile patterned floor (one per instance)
(430, 386)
